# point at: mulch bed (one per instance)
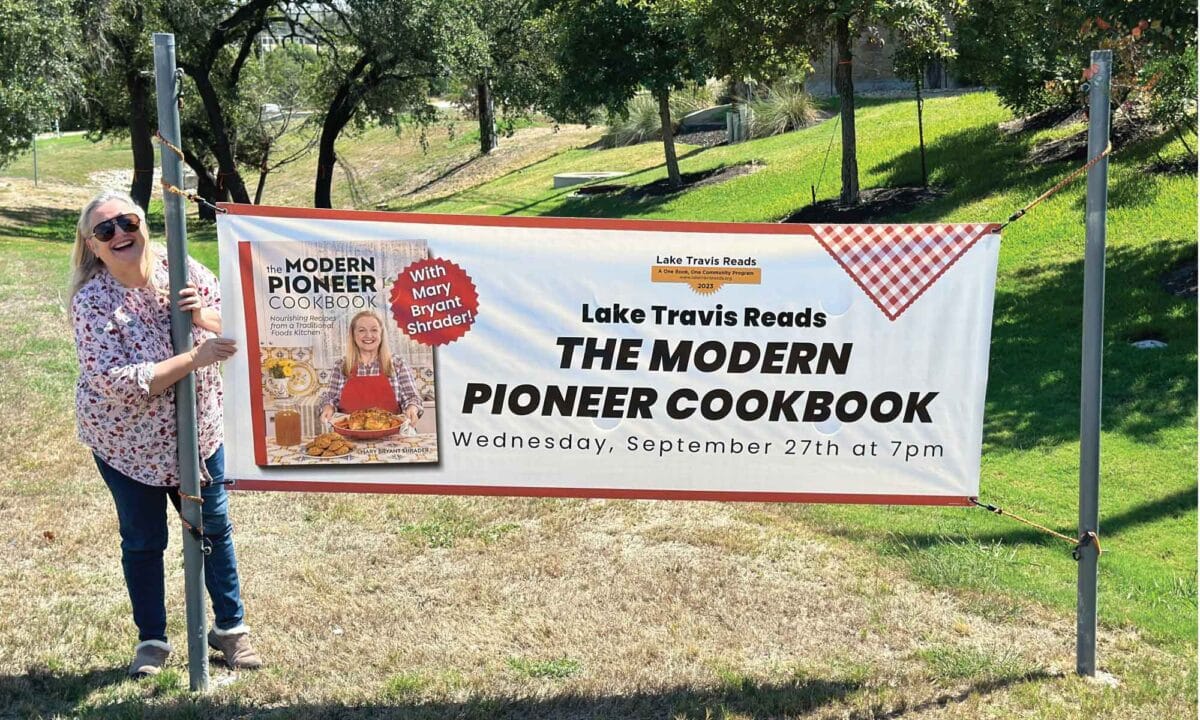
(1181, 281)
(1125, 131)
(874, 204)
(703, 137)
(1048, 118)
(660, 188)
(1179, 166)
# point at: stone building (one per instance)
(872, 68)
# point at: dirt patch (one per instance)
(524, 148)
(1180, 281)
(24, 206)
(874, 204)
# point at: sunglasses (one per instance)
(129, 222)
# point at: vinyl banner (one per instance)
(385, 352)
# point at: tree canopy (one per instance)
(38, 70)
(607, 50)
(1040, 58)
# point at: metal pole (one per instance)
(1093, 355)
(181, 339)
(35, 167)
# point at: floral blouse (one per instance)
(120, 333)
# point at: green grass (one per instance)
(952, 663)
(72, 159)
(1030, 462)
(555, 669)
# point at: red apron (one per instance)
(362, 392)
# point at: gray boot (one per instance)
(235, 646)
(149, 658)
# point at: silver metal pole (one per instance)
(35, 167)
(181, 339)
(1093, 355)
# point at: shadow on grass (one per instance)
(947, 699)
(617, 205)
(51, 224)
(447, 172)
(45, 695)
(1034, 377)
(970, 164)
(42, 693)
(955, 161)
(56, 224)
(1111, 526)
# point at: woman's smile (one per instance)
(123, 253)
(366, 334)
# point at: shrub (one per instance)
(642, 123)
(786, 107)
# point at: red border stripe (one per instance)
(603, 493)
(563, 223)
(258, 418)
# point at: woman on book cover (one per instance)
(369, 376)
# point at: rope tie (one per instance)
(189, 195)
(821, 176)
(192, 196)
(205, 544)
(1077, 544)
(1062, 184)
(162, 140)
(193, 498)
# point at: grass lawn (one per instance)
(1031, 452)
(399, 606)
(73, 159)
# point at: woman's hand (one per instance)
(212, 350)
(169, 371)
(326, 414)
(413, 412)
(203, 317)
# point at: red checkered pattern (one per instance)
(895, 264)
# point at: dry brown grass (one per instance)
(395, 170)
(410, 606)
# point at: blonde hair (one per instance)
(84, 263)
(350, 364)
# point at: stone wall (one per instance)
(872, 69)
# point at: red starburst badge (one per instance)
(434, 301)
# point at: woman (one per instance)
(369, 376)
(125, 409)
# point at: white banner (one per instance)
(605, 358)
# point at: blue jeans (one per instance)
(142, 515)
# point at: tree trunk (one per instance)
(258, 191)
(1179, 134)
(228, 176)
(664, 114)
(921, 134)
(845, 87)
(486, 110)
(206, 185)
(341, 109)
(139, 139)
(326, 160)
